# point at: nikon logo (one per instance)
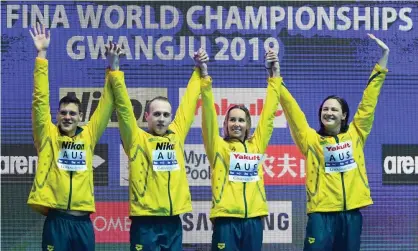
(164, 146)
(400, 164)
(72, 146)
(89, 98)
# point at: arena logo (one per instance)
(400, 164)
(111, 223)
(226, 97)
(19, 163)
(89, 98)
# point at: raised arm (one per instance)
(126, 117)
(383, 61)
(210, 128)
(364, 117)
(186, 111)
(100, 118)
(265, 126)
(41, 111)
(299, 127)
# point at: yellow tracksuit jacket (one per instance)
(335, 191)
(235, 198)
(155, 193)
(54, 186)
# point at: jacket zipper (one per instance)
(169, 194)
(245, 186)
(78, 131)
(71, 190)
(168, 185)
(342, 182)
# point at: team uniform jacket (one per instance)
(58, 183)
(153, 192)
(335, 190)
(231, 198)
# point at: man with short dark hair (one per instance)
(63, 187)
(69, 111)
(158, 187)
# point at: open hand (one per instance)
(379, 42)
(41, 37)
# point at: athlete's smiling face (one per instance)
(332, 116)
(237, 124)
(68, 118)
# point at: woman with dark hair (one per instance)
(238, 195)
(344, 108)
(336, 180)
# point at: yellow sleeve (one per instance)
(41, 111)
(186, 111)
(299, 127)
(264, 130)
(363, 119)
(100, 118)
(210, 129)
(126, 117)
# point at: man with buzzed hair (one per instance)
(162, 98)
(158, 125)
(158, 186)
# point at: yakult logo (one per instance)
(252, 98)
(246, 157)
(338, 147)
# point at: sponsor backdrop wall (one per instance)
(324, 50)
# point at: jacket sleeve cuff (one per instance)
(206, 83)
(41, 60)
(115, 74)
(379, 68)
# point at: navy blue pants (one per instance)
(156, 233)
(334, 231)
(65, 232)
(237, 234)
